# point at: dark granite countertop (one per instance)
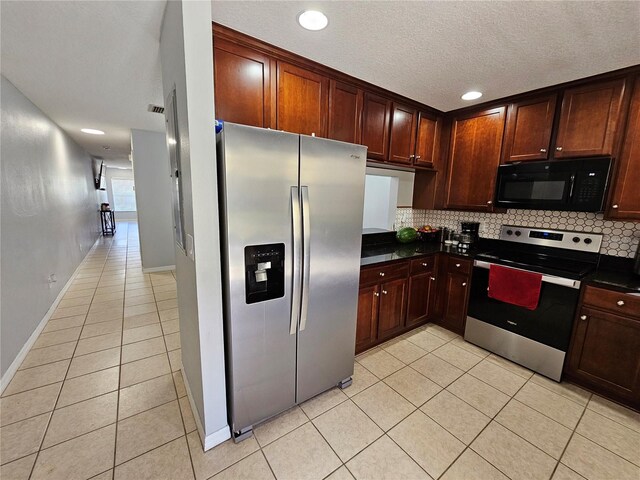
(381, 253)
(615, 273)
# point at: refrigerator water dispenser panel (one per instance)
(264, 272)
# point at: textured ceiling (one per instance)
(96, 63)
(92, 64)
(435, 51)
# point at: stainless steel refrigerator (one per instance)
(291, 223)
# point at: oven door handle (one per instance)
(564, 282)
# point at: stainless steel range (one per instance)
(537, 339)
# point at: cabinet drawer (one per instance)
(459, 265)
(620, 303)
(423, 265)
(383, 273)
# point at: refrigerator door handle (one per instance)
(296, 215)
(306, 234)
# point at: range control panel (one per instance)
(571, 240)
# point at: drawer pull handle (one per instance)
(512, 323)
(384, 292)
(376, 294)
(583, 317)
(425, 264)
(433, 279)
(558, 149)
(615, 207)
(464, 284)
(457, 265)
(382, 274)
(543, 150)
(620, 303)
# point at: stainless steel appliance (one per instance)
(636, 263)
(291, 224)
(573, 185)
(537, 339)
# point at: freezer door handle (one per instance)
(297, 245)
(306, 234)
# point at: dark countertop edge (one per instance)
(389, 253)
(613, 273)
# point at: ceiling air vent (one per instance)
(155, 108)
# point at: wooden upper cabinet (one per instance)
(625, 202)
(242, 84)
(427, 141)
(303, 101)
(474, 156)
(528, 132)
(345, 112)
(375, 126)
(589, 119)
(402, 143)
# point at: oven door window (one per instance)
(550, 323)
(534, 188)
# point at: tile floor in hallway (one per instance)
(100, 395)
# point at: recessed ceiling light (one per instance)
(471, 95)
(92, 131)
(312, 20)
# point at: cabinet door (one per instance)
(455, 310)
(589, 119)
(422, 290)
(375, 126)
(392, 308)
(474, 157)
(605, 351)
(528, 131)
(242, 83)
(402, 143)
(345, 112)
(626, 194)
(427, 140)
(303, 101)
(367, 322)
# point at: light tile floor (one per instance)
(101, 395)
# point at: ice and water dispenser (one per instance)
(264, 272)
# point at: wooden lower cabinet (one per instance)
(394, 298)
(604, 354)
(391, 312)
(367, 324)
(455, 304)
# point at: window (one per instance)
(124, 194)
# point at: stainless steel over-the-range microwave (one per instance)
(573, 185)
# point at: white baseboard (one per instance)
(213, 439)
(158, 269)
(13, 368)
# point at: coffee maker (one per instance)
(472, 229)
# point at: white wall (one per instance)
(380, 202)
(153, 199)
(186, 54)
(405, 183)
(49, 216)
(110, 174)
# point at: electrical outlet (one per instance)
(51, 279)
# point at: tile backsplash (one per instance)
(620, 238)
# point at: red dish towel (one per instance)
(515, 286)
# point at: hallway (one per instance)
(102, 384)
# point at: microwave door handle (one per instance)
(572, 182)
